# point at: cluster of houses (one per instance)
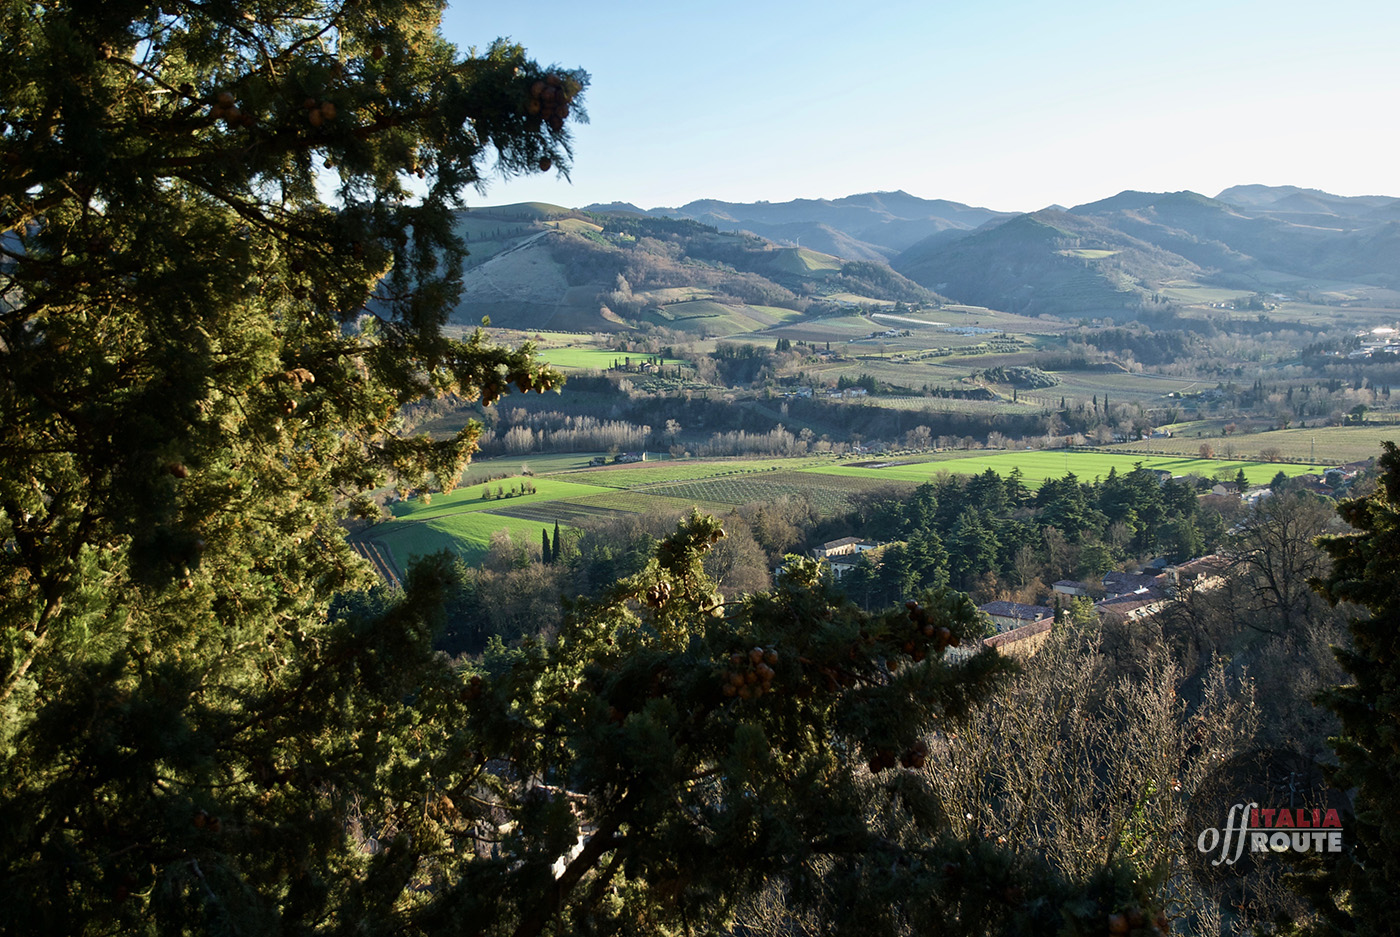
(808, 392)
(1127, 597)
(621, 457)
(1381, 341)
(1022, 629)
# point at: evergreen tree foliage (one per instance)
(1360, 894)
(556, 550)
(201, 357)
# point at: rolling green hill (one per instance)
(1047, 262)
(538, 266)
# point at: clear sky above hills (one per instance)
(1009, 105)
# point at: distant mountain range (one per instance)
(871, 226)
(1115, 258)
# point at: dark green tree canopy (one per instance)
(228, 254)
(1360, 895)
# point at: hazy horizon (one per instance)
(490, 201)
(1011, 106)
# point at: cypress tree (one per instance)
(556, 552)
(1360, 893)
(546, 556)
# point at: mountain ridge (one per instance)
(1112, 257)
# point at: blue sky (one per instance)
(1010, 105)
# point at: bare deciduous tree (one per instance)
(1081, 765)
(1274, 556)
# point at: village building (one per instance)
(1134, 597)
(1116, 584)
(1008, 616)
(842, 555)
(1023, 641)
(1071, 587)
(1199, 575)
(1134, 606)
(846, 546)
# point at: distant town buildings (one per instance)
(1379, 341)
(1130, 597)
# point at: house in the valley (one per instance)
(1008, 616)
(846, 546)
(1023, 641)
(1071, 588)
(843, 554)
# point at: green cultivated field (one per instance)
(1037, 466)
(468, 498)
(644, 501)
(833, 329)
(464, 522)
(467, 534)
(1332, 444)
(719, 319)
(1192, 294)
(539, 464)
(859, 300)
(827, 492)
(638, 474)
(804, 262)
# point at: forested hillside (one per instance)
(547, 268)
